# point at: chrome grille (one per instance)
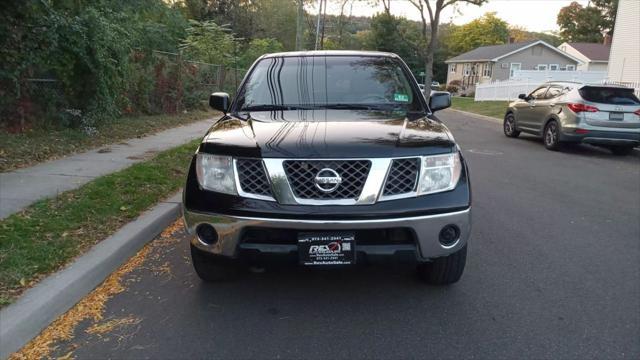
(253, 178)
(301, 175)
(403, 177)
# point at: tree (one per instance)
(520, 34)
(257, 48)
(394, 34)
(608, 8)
(587, 24)
(433, 10)
(209, 42)
(487, 30)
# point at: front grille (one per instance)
(253, 178)
(403, 177)
(302, 173)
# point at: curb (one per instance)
(53, 296)
(483, 117)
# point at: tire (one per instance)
(621, 150)
(509, 126)
(211, 268)
(444, 270)
(551, 136)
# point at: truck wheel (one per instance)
(211, 268)
(621, 150)
(509, 126)
(551, 136)
(444, 270)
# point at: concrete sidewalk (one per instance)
(22, 187)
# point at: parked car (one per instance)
(435, 85)
(566, 112)
(329, 159)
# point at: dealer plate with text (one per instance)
(326, 248)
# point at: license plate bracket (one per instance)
(326, 248)
(616, 116)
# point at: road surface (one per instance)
(553, 271)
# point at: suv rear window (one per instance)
(609, 95)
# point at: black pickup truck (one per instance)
(329, 158)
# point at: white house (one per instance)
(594, 56)
(624, 60)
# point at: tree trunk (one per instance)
(428, 61)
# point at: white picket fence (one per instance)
(522, 84)
(559, 75)
(504, 90)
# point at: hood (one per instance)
(327, 134)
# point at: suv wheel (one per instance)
(509, 126)
(551, 136)
(621, 150)
(211, 268)
(444, 270)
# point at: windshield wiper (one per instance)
(274, 108)
(361, 106)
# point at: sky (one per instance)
(534, 15)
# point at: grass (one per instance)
(20, 150)
(494, 109)
(48, 234)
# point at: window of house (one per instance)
(571, 68)
(513, 67)
(541, 67)
(554, 67)
(452, 68)
(486, 70)
(467, 69)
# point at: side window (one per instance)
(553, 92)
(538, 93)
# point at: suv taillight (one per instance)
(577, 108)
(637, 112)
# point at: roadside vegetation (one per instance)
(24, 149)
(494, 109)
(50, 233)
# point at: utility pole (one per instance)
(299, 26)
(318, 24)
(324, 15)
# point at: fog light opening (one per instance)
(449, 235)
(207, 234)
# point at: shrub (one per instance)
(452, 89)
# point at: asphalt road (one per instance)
(553, 271)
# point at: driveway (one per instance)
(553, 271)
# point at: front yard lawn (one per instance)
(494, 109)
(48, 234)
(20, 150)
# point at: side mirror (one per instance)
(439, 100)
(523, 97)
(219, 101)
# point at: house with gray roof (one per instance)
(594, 56)
(498, 62)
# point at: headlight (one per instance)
(439, 173)
(216, 173)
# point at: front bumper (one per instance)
(426, 230)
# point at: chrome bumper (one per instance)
(426, 228)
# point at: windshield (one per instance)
(338, 82)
